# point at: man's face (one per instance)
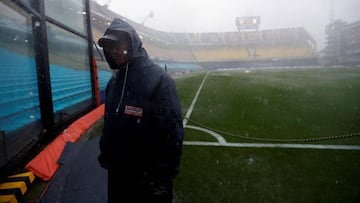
(118, 51)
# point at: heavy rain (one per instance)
(268, 89)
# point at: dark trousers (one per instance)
(130, 187)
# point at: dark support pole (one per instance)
(3, 156)
(42, 65)
(92, 62)
(3, 153)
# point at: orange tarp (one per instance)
(44, 165)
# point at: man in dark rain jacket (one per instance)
(143, 132)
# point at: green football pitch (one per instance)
(270, 135)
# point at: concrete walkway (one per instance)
(79, 177)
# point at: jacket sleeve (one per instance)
(170, 124)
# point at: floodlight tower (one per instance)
(150, 15)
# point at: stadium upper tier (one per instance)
(213, 46)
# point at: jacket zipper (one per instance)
(123, 89)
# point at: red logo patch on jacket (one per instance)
(133, 111)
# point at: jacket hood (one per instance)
(136, 50)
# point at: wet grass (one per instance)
(280, 104)
(226, 175)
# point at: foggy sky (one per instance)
(219, 15)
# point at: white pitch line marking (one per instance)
(220, 139)
(273, 145)
(188, 113)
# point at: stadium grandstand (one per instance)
(343, 44)
(286, 46)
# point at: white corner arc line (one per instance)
(219, 138)
(188, 113)
(273, 145)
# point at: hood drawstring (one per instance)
(123, 88)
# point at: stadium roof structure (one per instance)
(102, 17)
